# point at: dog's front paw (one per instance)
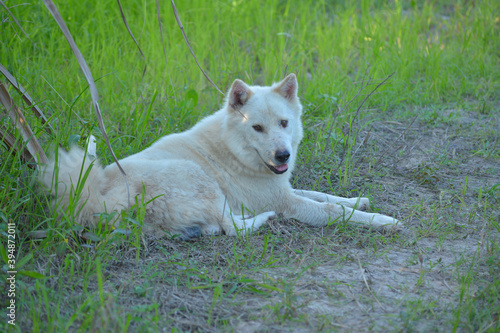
(359, 203)
(380, 220)
(387, 223)
(261, 219)
(363, 204)
(270, 215)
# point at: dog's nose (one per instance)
(282, 156)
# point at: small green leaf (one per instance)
(73, 138)
(32, 274)
(77, 227)
(20, 263)
(91, 236)
(122, 231)
(266, 286)
(133, 221)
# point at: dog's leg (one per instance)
(321, 213)
(238, 224)
(363, 203)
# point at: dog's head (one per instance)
(263, 128)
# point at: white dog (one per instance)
(206, 179)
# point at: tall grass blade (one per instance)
(88, 76)
(368, 96)
(189, 45)
(22, 126)
(27, 98)
(133, 38)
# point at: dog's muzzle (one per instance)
(281, 156)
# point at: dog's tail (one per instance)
(77, 183)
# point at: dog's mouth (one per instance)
(278, 169)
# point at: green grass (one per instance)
(444, 56)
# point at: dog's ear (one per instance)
(238, 94)
(288, 88)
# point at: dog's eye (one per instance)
(258, 128)
(284, 123)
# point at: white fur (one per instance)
(207, 173)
